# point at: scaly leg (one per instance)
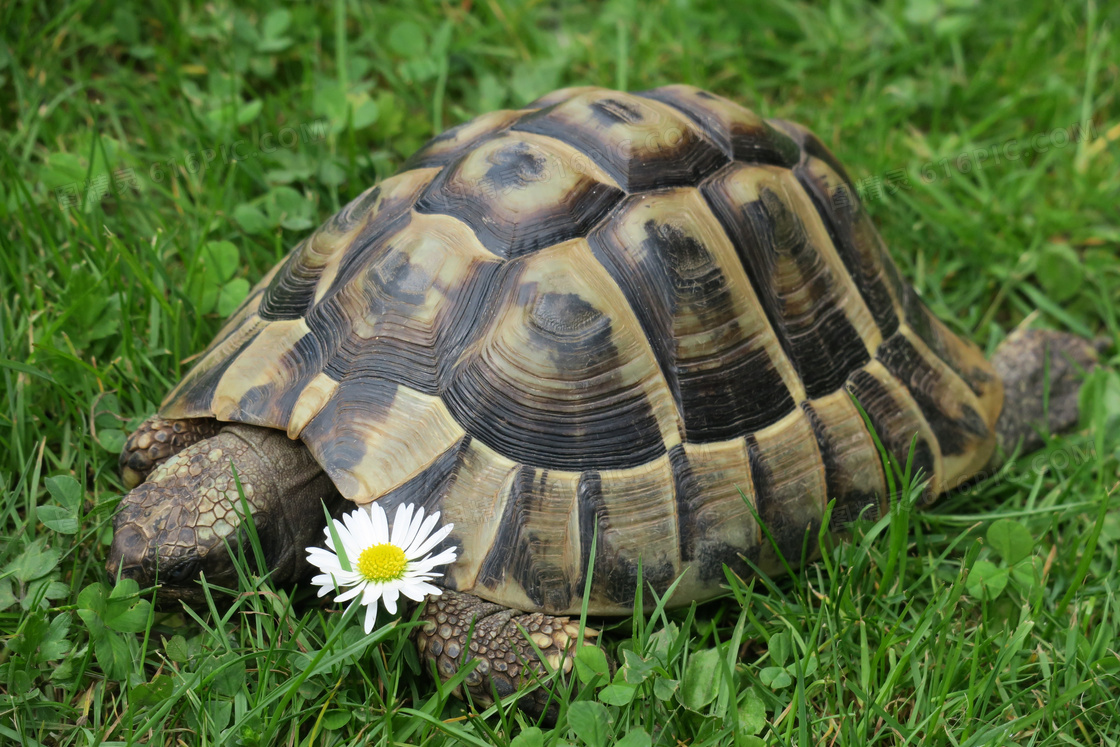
(500, 640)
(1027, 361)
(156, 441)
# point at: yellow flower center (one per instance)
(380, 563)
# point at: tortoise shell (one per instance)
(633, 319)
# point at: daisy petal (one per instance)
(346, 529)
(371, 618)
(401, 523)
(409, 537)
(389, 598)
(415, 542)
(380, 524)
(323, 560)
(346, 578)
(352, 552)
(349, 594)
(413, 592)
(343, 535)
(435, 539)
(353, 541)
(322, 552)
(350, 521)
(428, 589)
(372, 593)
(325, 582)
(425, 565)
(365, 520)
(326, 585)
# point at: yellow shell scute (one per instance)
(262, 363)
(311, 401)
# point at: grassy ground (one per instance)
(984, 139)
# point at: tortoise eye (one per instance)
(181, 572)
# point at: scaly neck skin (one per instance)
(182, 517)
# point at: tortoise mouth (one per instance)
(126, 556)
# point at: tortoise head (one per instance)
(188, 516)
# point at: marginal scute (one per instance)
(963, 356)
(373, 435)
(715, 514)
(853, 469)
(964, 428)
(641, 143)
(274, 362)
(898, 423)
(194, 395)
(789, 490)
(310, 403)
(535, 554)
(475, 501)
(631, 514)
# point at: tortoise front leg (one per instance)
(500, 640)
(156, 441)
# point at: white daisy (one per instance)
(378, 565)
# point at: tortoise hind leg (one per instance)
(156, 441)
(460, 627)
(1031, 361)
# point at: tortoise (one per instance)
(635, 321)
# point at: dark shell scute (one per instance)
(855, 239)
(520, 195)
(884, 409)
(689, 302)
(740, 133)
(957, 434)
(641, 145)
(517, 552)
(535, 421)
(797, 288)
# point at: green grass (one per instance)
(890, 639)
